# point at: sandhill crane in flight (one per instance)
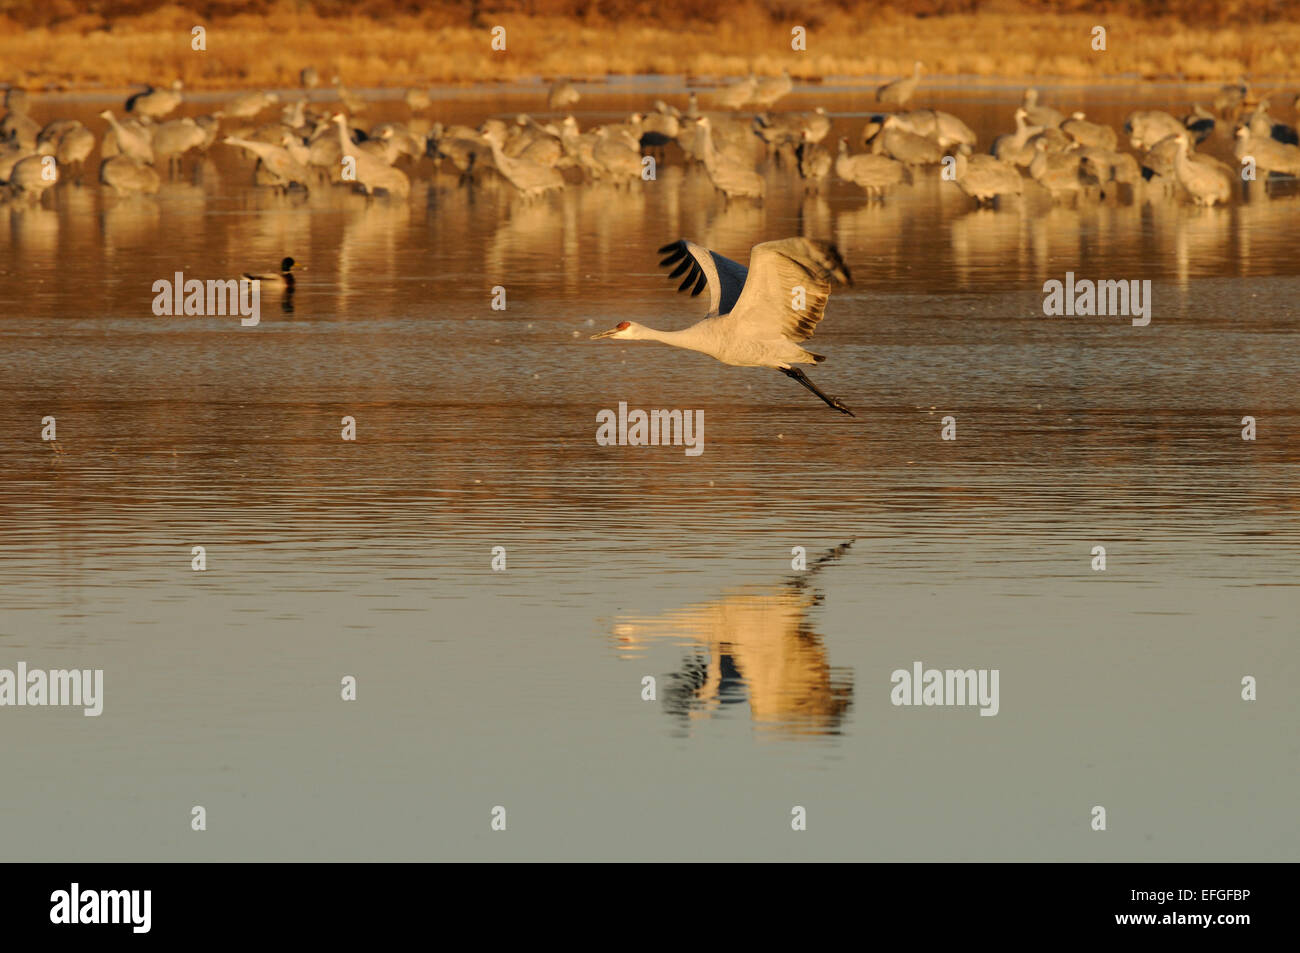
(752, 321)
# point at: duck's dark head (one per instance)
(286, 265)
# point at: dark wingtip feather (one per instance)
(682, 267)
(699, 285)
(679, 245)
(839, 268)
(686, 283)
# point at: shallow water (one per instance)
(475, 429)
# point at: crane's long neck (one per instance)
(710, 154)
(344, 139)
(691, 339)
(503, 162)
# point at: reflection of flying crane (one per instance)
(754, 643)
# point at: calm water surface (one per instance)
(475, 429)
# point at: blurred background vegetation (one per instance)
(93, 14)
(74, 44)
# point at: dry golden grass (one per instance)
(269, 48)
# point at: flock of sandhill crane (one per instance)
(751, 320)
(302, 148)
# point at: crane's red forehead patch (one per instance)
(624, 325)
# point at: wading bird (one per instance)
(900, 91)
(1205, 185)
(752, 319)
(155, 103)
(563, 93)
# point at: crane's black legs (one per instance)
(802, 378)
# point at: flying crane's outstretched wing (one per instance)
(725, 278)
(776, 270)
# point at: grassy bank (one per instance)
(89, 49)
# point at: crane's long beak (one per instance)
(605, 334)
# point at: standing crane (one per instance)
(752, 319)
(131, 140)
(1204, 184)
(732, 178)
(900, 90)
(155, 103)
(738, 94)
(371, 173)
